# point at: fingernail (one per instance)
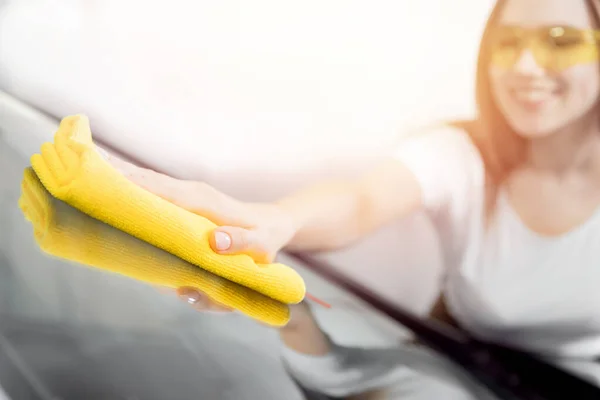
(222, 241)
(192, 297)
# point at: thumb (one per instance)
(235, 240)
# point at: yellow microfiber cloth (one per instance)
(65, 232)
(72, 171)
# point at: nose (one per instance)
(527, 65)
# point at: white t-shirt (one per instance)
(503, 283)
(506, 283)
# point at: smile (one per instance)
(534, 98)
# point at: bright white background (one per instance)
(258, 97)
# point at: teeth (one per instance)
(532, 95)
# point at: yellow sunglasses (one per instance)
(554, 48)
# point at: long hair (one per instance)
(501, 148)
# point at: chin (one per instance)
(534, 132)
(534, 129)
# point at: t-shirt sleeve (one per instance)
(447, 166)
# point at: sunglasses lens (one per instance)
(506, 45)
(567, 47)
(556, 48)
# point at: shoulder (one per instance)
(451, 136)
(444, 159)
(449, 145)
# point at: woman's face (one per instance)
(544, 69)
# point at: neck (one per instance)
(565, 150)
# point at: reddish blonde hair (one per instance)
(501, 148)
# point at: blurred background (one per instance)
(258, 98)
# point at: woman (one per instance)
(514, 196)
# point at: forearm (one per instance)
(327, 216)
(335, 214)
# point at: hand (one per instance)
(259, 230)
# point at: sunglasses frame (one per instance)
(525, 36)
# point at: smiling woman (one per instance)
(514, 196)
(521, 266)
(521, 269)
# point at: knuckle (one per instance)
(240, 238)
(258, 248)
(262, 242)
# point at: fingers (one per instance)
(197, 197)
(234, 240)
(153, 181)
(138, 175)
(200, 301)
(164, 186)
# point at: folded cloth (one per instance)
(65, 232)
(72, 171)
